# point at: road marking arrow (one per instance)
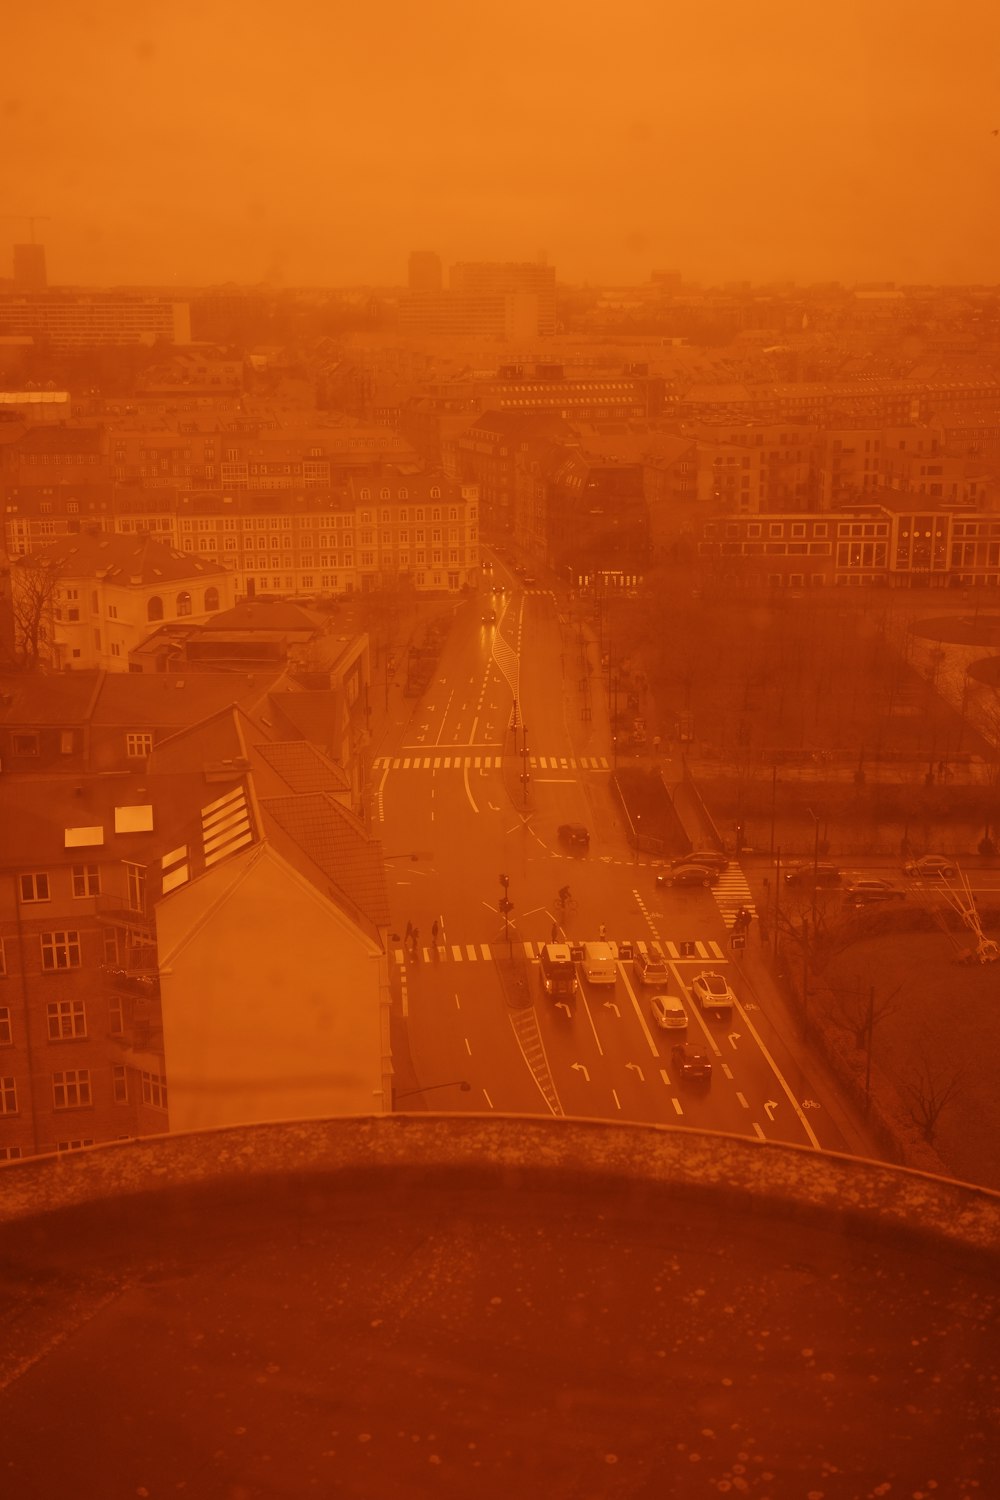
(769, 1109)
(636, 1069)
(611, 1005)
(579, 1068)
(561, 1005)
(734, 1037)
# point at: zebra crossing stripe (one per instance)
(716, 950)
(673, 950)
(485, 949)
(470, 951)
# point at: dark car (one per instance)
(933, 866)
(713, 858)
(688, 875)
(573, 835)
(811, 872)
(690, 1065)
(860, 889)
(490, 617)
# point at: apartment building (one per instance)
(387, 526)
(70, 319)
(149, 921)
(518, 278)
(755, 466)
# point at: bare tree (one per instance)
(927, 1093)
(34, 585)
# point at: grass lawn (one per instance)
(940, 1025)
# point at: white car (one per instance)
(713, 992)
(668, 1013)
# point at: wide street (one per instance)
(454, 814)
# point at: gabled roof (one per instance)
(299, 765)
(121, 559)
(140, 700)
(265, 614)
(34, 699)
(61, 439)
(336, 843)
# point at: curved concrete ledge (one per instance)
(782, 1181)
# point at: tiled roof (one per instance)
(122, 559)
(43, 439)
(33, 698)
(304, 770)
(265, 614)
(315, 715)
(336, 843)
(165, 699)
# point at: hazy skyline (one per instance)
(311, 144)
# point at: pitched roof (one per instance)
(121, 559)
(168, 700)
(336, 843)
(32, 699)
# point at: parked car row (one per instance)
(860, 887)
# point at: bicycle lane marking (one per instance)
(779, 1076)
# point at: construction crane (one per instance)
(30, 219)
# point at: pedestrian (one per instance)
(602, 933)
(555, 932)
(408, 934)
(415, 940)
(434, 932)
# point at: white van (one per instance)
(600, 963)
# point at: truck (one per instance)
(558, 974)
(600, 963)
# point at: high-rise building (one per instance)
(424, 271)
(29, 268)
(501, 278)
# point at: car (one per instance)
(573, 835)
(863, 888)
(690, 1065)
(812, 872)
(490, 617)
(668, 1013)
(933, 866)
(649, 964)
(714, 858)
(688, 875)
(529, 580)
(713, 992)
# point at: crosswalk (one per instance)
(473, 953)
(488, 762)
(733, 895)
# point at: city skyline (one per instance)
(174, 150)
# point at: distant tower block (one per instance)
(29, 268)
(425, 271)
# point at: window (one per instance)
(119, 1084)
(86, 881)
(8, 1096)
(135, 884)
(116, 1015)
(6, 1035)
(74, 1145)
(212, 598)
(67, 1018)
(60, 950)
(184, 603)
(154, 1090)
(10, 1153)
(34, 887)
(71, 1089)
(24, 744)
(138, 744)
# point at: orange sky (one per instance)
(311, 142)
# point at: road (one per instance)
(455, 815)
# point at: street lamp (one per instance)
(525, 773)
(458, 1083)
